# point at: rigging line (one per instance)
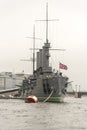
(48, 20)
(48, 97)
(49, 49)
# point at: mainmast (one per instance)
(46, 22)
(43, 54)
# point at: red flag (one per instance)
(62, 66)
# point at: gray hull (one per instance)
(47, 88)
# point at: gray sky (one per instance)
(16, 22)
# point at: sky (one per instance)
(17, 18)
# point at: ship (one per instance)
(44, 83)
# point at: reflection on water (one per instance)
(18, 115)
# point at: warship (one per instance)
(44, 83)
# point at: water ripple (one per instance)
(18, 115)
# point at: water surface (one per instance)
(18, 115)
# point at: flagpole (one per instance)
(59, 67)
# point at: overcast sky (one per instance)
(70, 32)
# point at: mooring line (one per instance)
(48, 97)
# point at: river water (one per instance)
(15, 114)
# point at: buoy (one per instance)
(31, 99)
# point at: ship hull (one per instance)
(50, 90)
(51, 99)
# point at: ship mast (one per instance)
(34, 38)
(46, 22)
(33, 48)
